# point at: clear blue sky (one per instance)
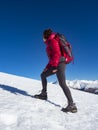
(22, 51)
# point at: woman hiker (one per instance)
(56, 65)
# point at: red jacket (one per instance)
(53, 51)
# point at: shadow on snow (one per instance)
(14, 90)
(17, 91)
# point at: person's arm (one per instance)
(55, 58)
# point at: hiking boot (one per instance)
(70, 108)
(42, 96)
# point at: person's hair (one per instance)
(47, 33)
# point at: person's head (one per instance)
(46, 34)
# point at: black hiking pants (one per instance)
(61, 78)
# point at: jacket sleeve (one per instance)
(55, 54)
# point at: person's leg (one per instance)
(44, 76)
(62, 82)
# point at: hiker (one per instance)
(56, 65)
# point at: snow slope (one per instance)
(19, 111)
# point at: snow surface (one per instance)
(19, 111)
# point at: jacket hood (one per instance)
(52, 36)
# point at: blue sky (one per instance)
(22, 51)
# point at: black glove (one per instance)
(54, 69)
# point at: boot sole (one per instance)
(40, 98)
(72, 111)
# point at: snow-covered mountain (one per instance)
(84, 85)
(19, 111)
